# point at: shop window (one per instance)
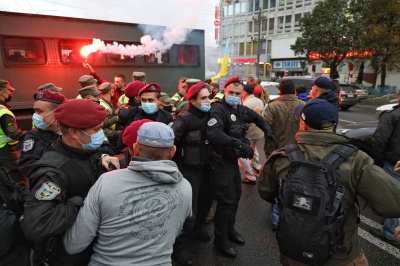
(188, 55)
(24, 51)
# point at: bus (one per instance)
(38, 49)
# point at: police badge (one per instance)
(28, 145)
(47, 191)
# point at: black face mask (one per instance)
(9, 97)
(168, 108)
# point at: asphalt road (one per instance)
(253, 222)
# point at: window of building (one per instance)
(288, 21)
(236, 29)
(256, 5)
(224, 11)
(243, 7)
(263, 25)
(241, 48)
(250, 4)
(280, 24)
(297, 18)
(307, 2)
(299, 3)
(289, 4)
(265, 4)
(269, 46)
(272, 4)
(24, 51)
(242, 29)
(237, 8)
(230, 11)
(250, 27)
(271, 25)
(255, 47)
(248, 48)
(188, 55)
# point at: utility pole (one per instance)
(259, 50)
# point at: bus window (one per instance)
(71, 52)
(157, 58)
(23, 51)
(117, 59)
(188, 55)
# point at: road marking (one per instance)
(379, 243)
(347, 121)
(370, 222)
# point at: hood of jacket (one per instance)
(162, 171)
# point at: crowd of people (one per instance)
(126, 175)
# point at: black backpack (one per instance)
(11, 209)
(311, 212)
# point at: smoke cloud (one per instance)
(158, 40)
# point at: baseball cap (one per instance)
(4, 84)
(316, 112)
(323, 83)
(130, 134)
(156, 134)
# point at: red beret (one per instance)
(80, 113)
(152, 87)
(130, 134)
(257, 92)
(49, 96)
(133, 88)
(195, 89)
(232, 80)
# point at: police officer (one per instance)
(62, 178)
(192, 157)
(226, 129)
(150, 109)
(46, 130)
(9, 134)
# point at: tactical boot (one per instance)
(234, 236)
(223, 247)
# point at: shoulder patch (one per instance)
(47, 191)
(11, 128)
(212, 122)
(28, 145)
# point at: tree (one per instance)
(331, 30)
(382, 34)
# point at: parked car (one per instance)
(362, 94)
(347, 96)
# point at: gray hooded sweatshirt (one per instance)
(135, 213)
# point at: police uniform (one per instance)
(226, 129)
(60, 181)
(10, 134)
(137, 113)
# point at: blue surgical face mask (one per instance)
(38, 121)
(205, 107)
(183, 91)
(95, 141)
(149, 108)
(232, 100)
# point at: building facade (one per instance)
(266, 29)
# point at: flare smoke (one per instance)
(148, 45)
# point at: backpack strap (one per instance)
(294, 153)
(339, 154)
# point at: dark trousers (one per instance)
(227, 189)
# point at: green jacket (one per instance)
(358, 174)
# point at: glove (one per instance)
(247, 151)
(272, 137)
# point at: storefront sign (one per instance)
(245, 60)
(287, 64)
(349, 54)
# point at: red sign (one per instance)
(216, 23)
(349, 54)
(216, 34)
(216, 12)
(244, 60)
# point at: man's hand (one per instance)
(397, 170)
(246, 149)
(397, 230)
(88, 67)
(106, 160)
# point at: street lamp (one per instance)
(259, 50)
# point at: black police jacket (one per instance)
(60, 181)
(35, 143)
(386, 139)
(159, 116)
(227, 125)
(190, 137)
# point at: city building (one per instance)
(266, 29)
